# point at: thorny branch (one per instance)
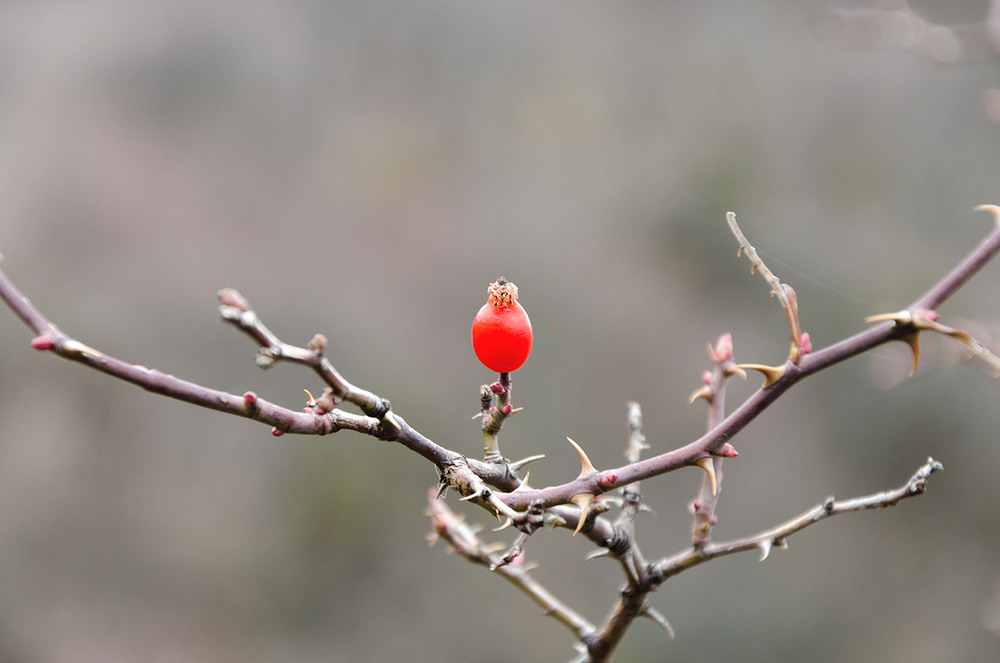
(464, 540)
(786, 376)
(581, 504)
(776, 537)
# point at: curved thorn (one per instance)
(705, 392)
(517, 465)
(310, 401)
(732, 370)
(913, 340)
(583, 500)
(992, 209)
(588, 468)
(771, 373)
(508, 522)
(709, 467)
(600, 552)
(654, 614)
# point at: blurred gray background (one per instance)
(364, 169)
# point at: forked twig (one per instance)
(777, 536)
(784, 292)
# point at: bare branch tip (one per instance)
(230, 297)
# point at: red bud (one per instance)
(43, 342)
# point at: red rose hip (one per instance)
(501, 331)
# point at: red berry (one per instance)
(501, 331)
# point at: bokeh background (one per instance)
(364, 169)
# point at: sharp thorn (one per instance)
(583, 500)
(657, 616)
(709, 466)
(508, 522)
(771, 373)
(517, 465)
(705, 392)
(899, 317)
(992, 209)
(733, 369)
(913, 340)
(588, 468)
